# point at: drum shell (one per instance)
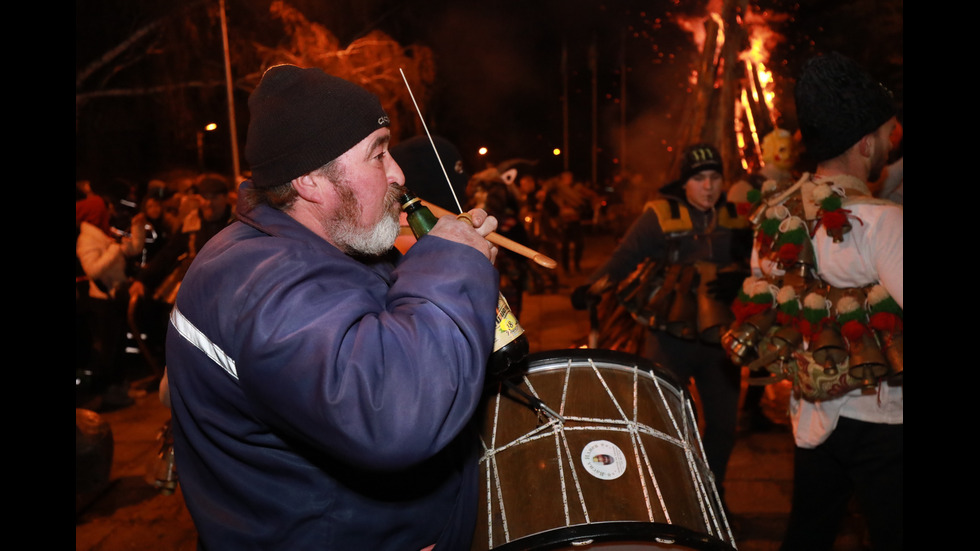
(538, 490)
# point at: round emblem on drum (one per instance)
(603, 459)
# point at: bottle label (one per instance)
(508, 328)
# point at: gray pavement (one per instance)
(130, 514)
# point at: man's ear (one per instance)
(308, 188)
(867, 145)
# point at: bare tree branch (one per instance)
(121, 48)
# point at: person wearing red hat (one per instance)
(102, 257)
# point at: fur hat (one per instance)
(301, 119)
(837, 103)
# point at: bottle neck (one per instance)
(420, 218)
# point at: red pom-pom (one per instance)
(885, 321)
(788, 253)
(834, 219)
(785, 319)
(853, 330)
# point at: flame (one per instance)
(758, 85)
(695, 25)
(762, 39)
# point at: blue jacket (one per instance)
(321, 402)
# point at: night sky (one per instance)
(499, 81)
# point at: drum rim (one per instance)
(613, 531)
(625, 360)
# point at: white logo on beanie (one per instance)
(383, 120)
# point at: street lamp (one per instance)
(209, 127)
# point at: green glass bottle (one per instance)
(510, 345)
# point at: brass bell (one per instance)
(713, 315)
(633, 291)
(804, 267)
(682, 318)
(656, 311)
(829, 350)
(867, 363)
(741, 341)
(784, 342)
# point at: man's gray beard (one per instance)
(351, 238)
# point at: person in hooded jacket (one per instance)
(691, 222)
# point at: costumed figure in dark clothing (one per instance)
(487, 190)
(666, 289)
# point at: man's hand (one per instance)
(460, 231)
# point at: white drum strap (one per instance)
(195, 336)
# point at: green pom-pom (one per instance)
(813, 315)
(853, 315)
(793, 237)
(790, 307)
(770, 226)
(832, 202)
(887, 305)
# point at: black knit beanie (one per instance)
(301, 119)
(838, 103)
(700, 157)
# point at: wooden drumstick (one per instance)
(500, 240)
(492, 237)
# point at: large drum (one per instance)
(595, 449)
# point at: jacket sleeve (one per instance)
(133, 243)
(97, 254)
(886, 246)
(644, 239)
(358, 368)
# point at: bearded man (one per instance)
(323, 384)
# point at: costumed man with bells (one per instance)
(824, 309)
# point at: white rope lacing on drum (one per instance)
(562, 442)
(708, 515)
(631, 427)
(555, 428)
(639, 448)
(568, 452)
(492, 468)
